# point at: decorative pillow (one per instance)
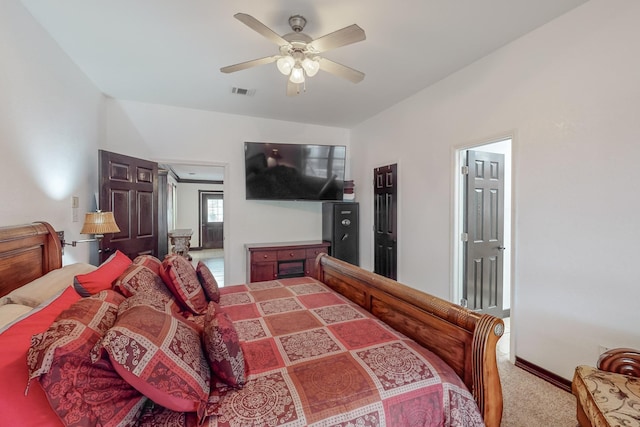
(208, 282)
(47, 286)
(140, 281)
(182, 280)
(103, 277)
(79, 391)
(81, 325)
(161, 356)
(149, 261)
(84, 393)
(222, 347)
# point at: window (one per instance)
(214, 210)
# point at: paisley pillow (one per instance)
(208, 282)
(142, 282)
(160, 354)
(80, 391)
(149, 261)
(222, 347)
(182, 280)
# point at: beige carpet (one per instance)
(529, 400)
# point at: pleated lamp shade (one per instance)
(99, 223)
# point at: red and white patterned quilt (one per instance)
(314, 358)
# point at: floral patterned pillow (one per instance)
(160, 354)
(142, 282)
(222, 347)
(149, 261)
(82, 324)
(208, 282)
(182, 280)
(80, 391)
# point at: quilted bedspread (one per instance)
(314, 358)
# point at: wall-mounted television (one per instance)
(277, 171)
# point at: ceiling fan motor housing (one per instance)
(297, 23)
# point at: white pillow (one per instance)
(43, 288)
(10, 312)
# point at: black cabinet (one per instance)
(340, 228)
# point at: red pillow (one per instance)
(149, 261)
(182, 280)
(161, 356)
(208, 282)
(84, 393)
(140, 282)
(222, 347)
(80, 391)
(83, 323)
(103, 277)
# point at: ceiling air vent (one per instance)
(241, 91)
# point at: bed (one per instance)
(345, 348)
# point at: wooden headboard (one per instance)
(27, 252)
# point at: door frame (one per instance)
(225, 208)
(458, 156)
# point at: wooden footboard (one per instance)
(463, 339)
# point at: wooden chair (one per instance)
(609, 394)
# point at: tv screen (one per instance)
(276, 171)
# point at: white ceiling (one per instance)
(170, 51)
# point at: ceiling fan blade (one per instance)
(259, 27)
(293, 89)
(343, 37)
(341, 70)
(249, 64)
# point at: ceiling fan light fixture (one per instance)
(297, 75)
(285, 64)
(311, 66)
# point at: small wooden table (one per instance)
(181, 241)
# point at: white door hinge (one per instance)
(464, 170)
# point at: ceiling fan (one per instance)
(300, 54)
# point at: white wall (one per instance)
(181, 135)
(570, 92)
(51, 122)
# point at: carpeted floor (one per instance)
(529, 401)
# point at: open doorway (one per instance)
(463, 268)
(211, 252)
(196, 203)
(500, 148)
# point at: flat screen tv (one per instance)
(276, 171)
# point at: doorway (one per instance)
(385, 223)
(496, 264)
(211, 220)
(196, 187)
